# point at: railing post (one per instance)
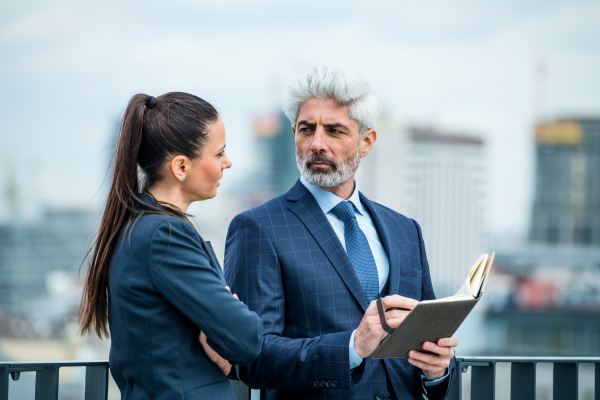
(597, 381)
(455, 392)
(522, 381)
(483, 382)
(46, 383)
(4, 382)
(96, 383)
(564, 381)
(240, 390)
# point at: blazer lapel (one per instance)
(302, 203)
(389, 241)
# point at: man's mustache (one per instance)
(319, 157)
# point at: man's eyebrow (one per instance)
(304, 122)
(223, 148)
(337, 125)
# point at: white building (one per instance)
(439, 180)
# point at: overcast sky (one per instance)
(68, 69)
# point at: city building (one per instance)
(30, 252)
(566, 208)
(276, 169)
(438, 179)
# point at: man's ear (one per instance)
(180, 167)
(367, 141)
(294, 130)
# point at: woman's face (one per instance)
(206, 171)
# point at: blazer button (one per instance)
(316, 383)
(387, 394)
(333, 383)
(380, 396)
(322, 383)
(328, 383)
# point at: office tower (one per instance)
(30, 251)
(439, 180)
(276, 170)
(566, 208)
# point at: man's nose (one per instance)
(318, 141)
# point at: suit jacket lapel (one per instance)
(389, 241)
(302, 203)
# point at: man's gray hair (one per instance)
(343, 83)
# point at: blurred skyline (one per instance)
(69, 69)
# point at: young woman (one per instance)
(152, 281)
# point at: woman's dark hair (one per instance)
(153, 130)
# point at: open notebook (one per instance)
(432, 320)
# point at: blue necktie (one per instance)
(358, 250)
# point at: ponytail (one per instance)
(93, 312)
(177, 124)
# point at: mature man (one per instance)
(312, 261)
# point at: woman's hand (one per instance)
(214, 356)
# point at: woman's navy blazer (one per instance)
(164, 287)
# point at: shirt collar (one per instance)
(327, 200)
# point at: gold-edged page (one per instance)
(476, 274)
(456, 297)
(466, 286)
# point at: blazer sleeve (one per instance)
(440, 391)
(253, 271)
(181, 272)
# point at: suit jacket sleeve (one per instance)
(253, 271)
(439, 391)
(180, 270)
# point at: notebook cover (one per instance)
(427, 322)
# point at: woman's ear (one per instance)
(179, 167)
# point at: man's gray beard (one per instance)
(342, 171)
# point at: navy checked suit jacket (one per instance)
(285, 262)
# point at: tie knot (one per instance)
(344, 210)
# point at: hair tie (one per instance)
(150, 103)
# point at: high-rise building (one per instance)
(566, 208)
(30, 251)
(276, 170)
(439, 180)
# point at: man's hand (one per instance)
(370, 333)
(434, 365)
(214, 356)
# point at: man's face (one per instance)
(328, 142)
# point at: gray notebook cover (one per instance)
(427, 322)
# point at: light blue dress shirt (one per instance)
(327, 200)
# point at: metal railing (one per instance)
(46, 378)
(483, 378)
(565, 377)
(96, 379)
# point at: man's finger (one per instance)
(396, 314)
(448, 342)
(439, 350)
(398, 301)
(426, 367)
(424, 357)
